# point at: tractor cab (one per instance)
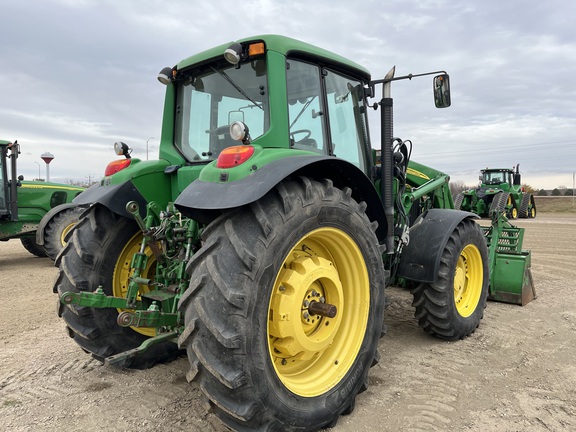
(501, 178)
(251, 97)
(8, 182)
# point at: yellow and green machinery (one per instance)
(262, 240)
(26, 205)
(500, 191)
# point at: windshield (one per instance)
(496, 177)
(213, 97)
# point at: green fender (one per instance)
(114, 196)
(204, 201)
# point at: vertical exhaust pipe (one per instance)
(387, 171)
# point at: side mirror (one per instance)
(441, 86)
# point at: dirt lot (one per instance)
(516, 373)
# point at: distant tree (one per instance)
(528, 188)
(542, 192)
(556, 192)
(457, 186)
(569, 192)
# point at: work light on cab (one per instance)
(236, 52)
(121, 149)
(234, 156)
(240, 132)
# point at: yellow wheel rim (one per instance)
(514, 213)
(65, 231)
(312, 352)
(122, 272)
(468, 280)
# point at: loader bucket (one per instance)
(511, 278)
(510, 273)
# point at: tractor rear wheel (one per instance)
(451, 308)
(285, 308)
(58, 228)
(31, 246)
(99, 253)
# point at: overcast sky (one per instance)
(78, 75)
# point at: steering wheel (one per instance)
(308, 133)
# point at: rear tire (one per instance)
(31, 246)
(263, 358)
(99, 254)
(58, 229)
(451, 308)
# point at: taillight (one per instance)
(234, 156)
(117, 165)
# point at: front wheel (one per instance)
(451, 308)
(285, 308)
(31, 246)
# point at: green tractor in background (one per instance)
(263, 238)
(500, 191)
(26, 205)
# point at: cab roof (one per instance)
(285, 46)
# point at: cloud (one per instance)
(78, 75)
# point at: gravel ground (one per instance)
(515, 373)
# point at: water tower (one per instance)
(47, 158)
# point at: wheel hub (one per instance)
(304, 324)
(468, 280)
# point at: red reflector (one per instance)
(117, 165)
(234, 156)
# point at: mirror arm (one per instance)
(409, 76)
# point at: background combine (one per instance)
(262, 239)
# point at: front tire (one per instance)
(99, 254)
(31, 246)
(451, 308)
(263, 354)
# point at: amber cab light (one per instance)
(117, 165)
(234, 156)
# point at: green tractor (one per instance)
(261, 241)
(500, 191)
(26, 205)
